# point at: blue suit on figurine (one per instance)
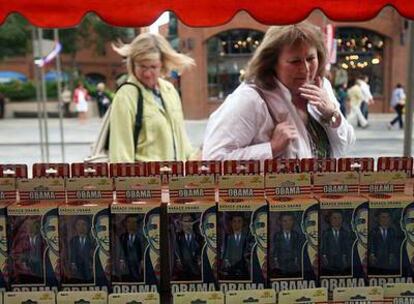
(131, 251)
(187, 251)
(236, 253)
(81, 252)
(384, 246)
(286, 255)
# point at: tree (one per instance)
(14, 37)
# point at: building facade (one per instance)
(377, 48)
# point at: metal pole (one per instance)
(39, 114)
(59, 89)
(408, 130)
(44, 96)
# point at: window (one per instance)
(227, 55)
(360, 51)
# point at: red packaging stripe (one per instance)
(128, 169)
(13, 170)
(196, 167)
(50, 170)
(90, 170)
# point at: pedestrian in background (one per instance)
(397, 103)
(162, 136)
(66, 96)
(102, 98)
(367, 98)
(2, 103)
(342, 97)
(355, 98)
(81, 97)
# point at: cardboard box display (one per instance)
(135, 231)
(8, 195)
(299, 296)
(200, 297)
(84, 229)
(357, 295)
(82, 297)
(192, 230)
(390, 213)
(39, 297)
(399, 293)
(294, 228)
(134, 298)
(343, 220)
(33, 229)
(242, 227)
(262, 296)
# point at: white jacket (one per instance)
(241, 128)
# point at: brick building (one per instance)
(377, 48)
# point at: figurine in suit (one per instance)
(336, 247)
(187, 250)
(287, 248)
(236, 250)
(32, 256)
(81, 249)
(131, 253)
(384, 246)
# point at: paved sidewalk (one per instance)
(19, 139)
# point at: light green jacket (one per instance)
(162, 137)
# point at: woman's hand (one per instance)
(282, 135)
(318, 97)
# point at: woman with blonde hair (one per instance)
(285, 107)
(162, 135)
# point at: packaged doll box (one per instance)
(192, 233)
(343, 220)
(242, 229)
(391, 213)
(294, 231)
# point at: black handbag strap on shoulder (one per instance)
(138, 115)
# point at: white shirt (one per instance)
(366, 91)
(397, 95)
(241, 128)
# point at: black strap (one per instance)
(138, 115)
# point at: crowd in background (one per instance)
(355, 97)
